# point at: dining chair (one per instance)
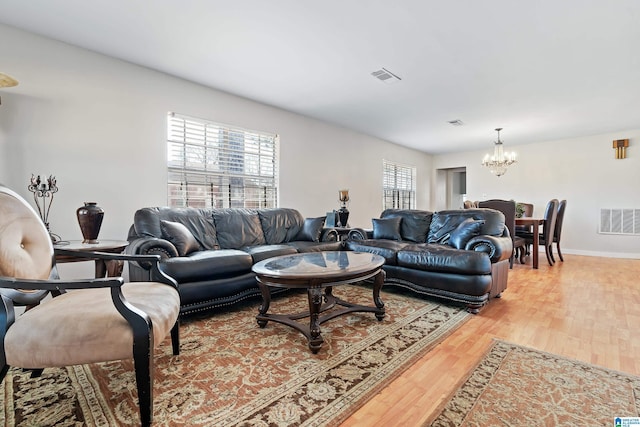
(508, 208)
(546, 237)
(527, 213)
(98, 320)
(562, 206)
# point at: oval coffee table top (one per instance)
(325, 265)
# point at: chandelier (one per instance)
(500, 161)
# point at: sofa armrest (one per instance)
(329, 235)
(498, 248)
(360, 234)
(150, 246)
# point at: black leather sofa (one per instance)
(460, 255)
(209, 252)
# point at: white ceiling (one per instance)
(542, 69)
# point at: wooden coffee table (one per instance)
(318, 273)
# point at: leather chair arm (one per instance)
(498, 248)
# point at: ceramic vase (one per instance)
(90, 219)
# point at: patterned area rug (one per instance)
(519, 386)
(232, 373)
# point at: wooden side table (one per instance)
(103, 268)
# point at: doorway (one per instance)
(451, 188)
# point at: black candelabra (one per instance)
(43, 189)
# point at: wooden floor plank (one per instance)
(586, 308)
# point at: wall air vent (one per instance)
(620, 221)
(386, 76)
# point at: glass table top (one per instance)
(319, 264)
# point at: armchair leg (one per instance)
(559, 253)
(36, 373)
(175, 338)
(143, 365)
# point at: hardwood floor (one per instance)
(587, 308)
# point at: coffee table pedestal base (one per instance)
(321, 299)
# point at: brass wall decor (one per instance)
(7, 81)
(620, 145)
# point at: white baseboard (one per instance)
(596, 253)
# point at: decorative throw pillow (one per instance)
(387, 228)
(311, 229)
(464, 232)
(180, 236)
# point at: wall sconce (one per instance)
(620, 145)
(7, 81)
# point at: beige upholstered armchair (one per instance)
(97, 320)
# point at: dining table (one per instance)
(535, 224)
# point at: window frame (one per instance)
(398, 185)
(216, 165)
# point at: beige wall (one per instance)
(99, 125)
(582, 170)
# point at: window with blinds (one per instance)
(212, 165)
(398, 186)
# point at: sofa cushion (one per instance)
(385, 248)
(146, 223)
(443, 258)
(208, 265)
(415, 223)
(258, 253)
(280, 225)
(179, 236)
(444, 222)
(387, 228)
(464, 232)
(307, 246)
(311, 230)
(237, 228)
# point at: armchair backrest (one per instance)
(26, 251)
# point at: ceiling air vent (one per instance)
(456, 122)
(386, 76)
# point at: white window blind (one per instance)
(398, 186)
(212, 165)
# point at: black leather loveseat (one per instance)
(210, 252)
(461, 255)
